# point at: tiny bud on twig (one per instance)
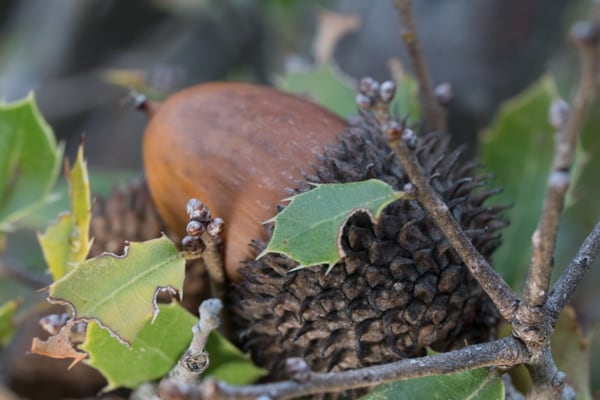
(215, 227)
(444, 93)
(297, 369)
(559, 112)
(387, 91)
(363, 102)
(196, 359)
(194, 228)
(585, 33)
(369, 87)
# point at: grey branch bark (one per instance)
(499, 353)
(196, 359)
(496, 288)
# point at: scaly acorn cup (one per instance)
(401, 287)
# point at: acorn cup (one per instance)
(400, 289)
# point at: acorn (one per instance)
(237, 147)
(400, 289)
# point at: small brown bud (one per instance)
(586, 33)
(444, 93)
(409, 137)
(387, 91)
(363, 102)
(192, 244)
(410, 191)
(559, 112)
(369, 87)
(194, 228)
(297, 369)
(215, 227)
(198, 211)
(54, 322)
(392, 130)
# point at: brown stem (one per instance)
(213, 259)
(496, 288)
(500, 353)
(435, 115)
(586, 36)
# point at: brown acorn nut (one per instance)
(236, 147)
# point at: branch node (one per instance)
(559, 379)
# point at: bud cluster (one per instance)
(200, 222)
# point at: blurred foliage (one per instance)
(476, 384)
(517, 149)
(29, 160)
(7, 323)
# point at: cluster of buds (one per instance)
(377, 97)
(201, 224)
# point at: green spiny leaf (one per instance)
(152, 354)
(65, 243)
(517, 148)
(308, 229)
(119, 291)
(476, 384)
(157, 348)
(29, 160)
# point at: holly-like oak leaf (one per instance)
(309, 229)
(119, 292)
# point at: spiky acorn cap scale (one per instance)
(401, 287)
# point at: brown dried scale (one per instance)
(400, 289)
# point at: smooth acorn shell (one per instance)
(236, 147)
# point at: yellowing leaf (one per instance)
(309, 228)
(29, 160)
(119, 292)
(58, 346)
(65, 243)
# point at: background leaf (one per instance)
(29, 160)
(158, 347)
(476, 384)
(517, 149)
(118, 291)
(571, 351)
(308, 229)
(7, 325)
(65, 243)
(325, 85)
(229, 364)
